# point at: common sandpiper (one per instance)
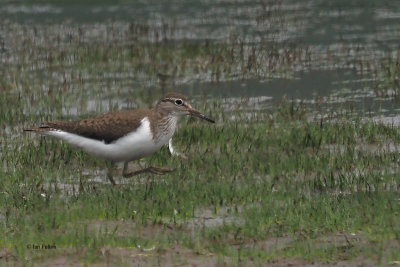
(127, 135)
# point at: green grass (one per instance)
(389, 78)
(278, 175)
(260, 186)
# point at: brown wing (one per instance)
(107, 127)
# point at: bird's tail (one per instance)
(40, 129)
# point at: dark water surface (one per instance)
(305, 21)
(347, 40)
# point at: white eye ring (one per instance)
(179, 102)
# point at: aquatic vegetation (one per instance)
(389, 78)
(275, 180)
(273, 175)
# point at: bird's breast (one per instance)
(164, 130)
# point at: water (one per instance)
(307, 21)
(341, 44)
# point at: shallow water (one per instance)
(330, 51)
(308, 21)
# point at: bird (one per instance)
(127, 135)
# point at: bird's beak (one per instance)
(196, 113)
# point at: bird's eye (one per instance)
(179, 102)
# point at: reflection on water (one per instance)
(303, 85)
(299, 49)
(309, 20)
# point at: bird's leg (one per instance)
(110, 172)
(127, 174)
(155, 170)
(173, 152)
(125, 170)
(158, 170)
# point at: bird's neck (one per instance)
(164, 126)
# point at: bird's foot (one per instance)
(173, 151)
(160, 171)
(110, 172)
(112, 181)
(181, 155)
(155, 170)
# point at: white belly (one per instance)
(133, 146)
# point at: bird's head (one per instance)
(177, 105)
